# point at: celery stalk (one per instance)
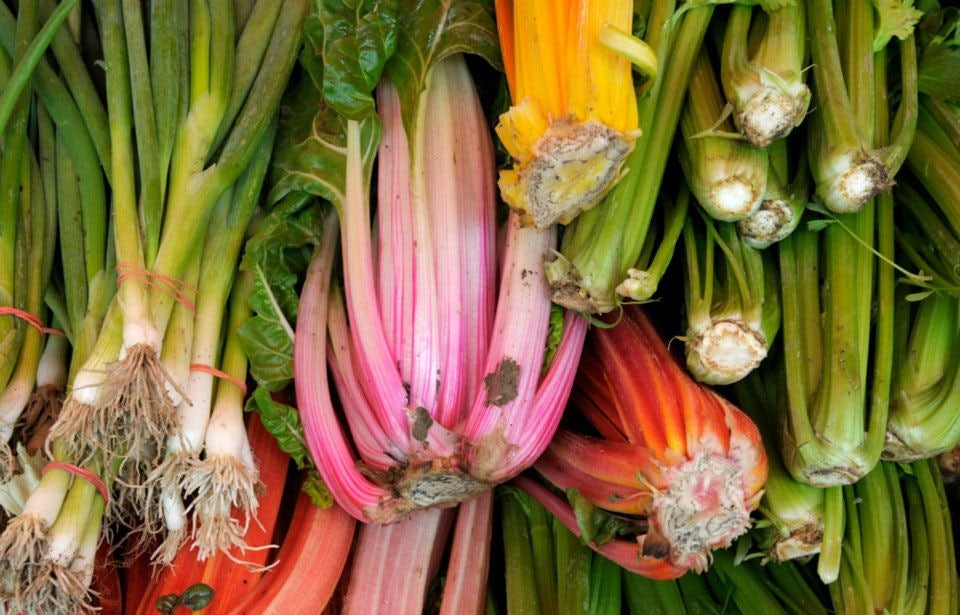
(766, 90)
(733, 313)
(782, 205)
(728, 176)
(603, 244)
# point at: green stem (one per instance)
(149, 163)
(30, 58)
(522, 595)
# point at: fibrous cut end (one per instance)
(859, 181)
(801, 542)
(725, 352)
(768, 225)
(568, 289)
(565, 172)
(771, 114)
(702, 509)
(734, 197)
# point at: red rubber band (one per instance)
(87, 475)
(202, 367)
(170, 286)
(31, 319)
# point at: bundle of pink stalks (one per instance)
(440, 386)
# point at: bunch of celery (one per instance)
(732, 300)
(549, 571)
(898, 551)
(837, 295)
(764, 80)
(728, 176)
(687, 463)
(926, 390)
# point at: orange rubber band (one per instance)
(202, 367)
(31, 319)
(87, 475)
(170, 286)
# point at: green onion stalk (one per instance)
(211, 109)
(727, 175)
(898, 554)
(793, 512)
(766, 89)
(837, 300)
(731, 296)
(224, 485)
(47, 550)
(603, 244)
(196, 338)
(36, 247)
(848, 167)
(783, 203)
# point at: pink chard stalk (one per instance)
(439, 379)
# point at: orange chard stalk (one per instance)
(574, 114)
(670, 450)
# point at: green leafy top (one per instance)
(897, 18)
(356, 38)
(283, 422)
(939, 68)
(277, 254)
(430, 31)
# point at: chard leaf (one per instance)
(358, 37)
(554, 335)
(311, 155)
(277, 255)
(431, 30)
(346, 44)
(897, 18)
(283, 423)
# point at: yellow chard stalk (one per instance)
(574, 117)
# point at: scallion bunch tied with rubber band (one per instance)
(202, 112)
(574, 114)
(687, 463)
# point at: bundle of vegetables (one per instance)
(441, 389)
(923, 419)
(898, 552)
(683, 459)
(837, 296)
(605, 252)
(574, 115)
(731, 296)
(766, 86)
(200, 123)
(548, 570)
